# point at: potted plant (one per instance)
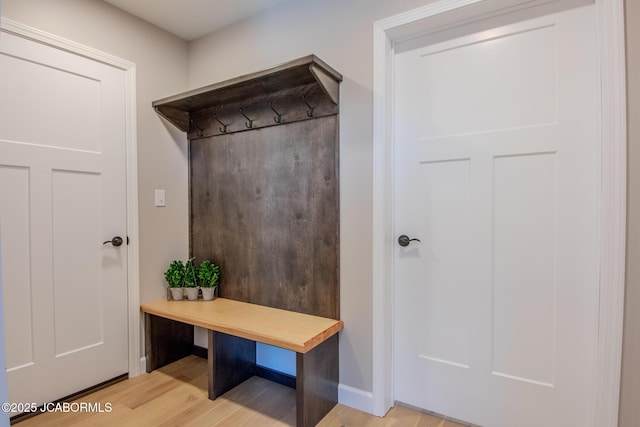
(190, 280)
(208, 275)
(175, 278)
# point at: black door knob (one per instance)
(116, 241)
(404, 240)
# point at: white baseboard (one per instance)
(355, 398)
(142, 366)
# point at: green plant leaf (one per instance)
(175, 274)
(208, 274)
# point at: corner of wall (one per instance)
(355, 398)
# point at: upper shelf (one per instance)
(258, 87)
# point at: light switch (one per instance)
(160, 199)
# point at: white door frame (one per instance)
(133, 278)
(611, 38)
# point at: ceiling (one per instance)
(190, 19)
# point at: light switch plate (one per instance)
(160, 198)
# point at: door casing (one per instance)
(136, 365)
(444, 14)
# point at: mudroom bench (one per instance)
(234, 327)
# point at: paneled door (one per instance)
(497, 162)
(62, 194)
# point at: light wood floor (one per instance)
(176, 395)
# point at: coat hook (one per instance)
(278, 116)
(310, 110)
(248, 124)
(223, 129)
(199, 131)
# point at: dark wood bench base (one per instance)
(166, 341)
(232, 360)
(317, 378)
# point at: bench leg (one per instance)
(317, 382)
(166, 341)
(232, 360)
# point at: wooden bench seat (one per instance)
(281, 328)
(233, 329)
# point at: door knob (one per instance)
(404, 240)
(116, 241)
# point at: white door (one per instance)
(62, 194)
(497, 173)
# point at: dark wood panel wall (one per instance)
(264, 205)
(264, 184)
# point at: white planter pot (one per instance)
(209, 293)
(192, 293)
(177, 294)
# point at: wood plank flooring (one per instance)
(176, 395)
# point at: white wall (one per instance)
(161, 70)
(340, 33)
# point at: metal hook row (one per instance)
(249, 122)
(277, 118)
